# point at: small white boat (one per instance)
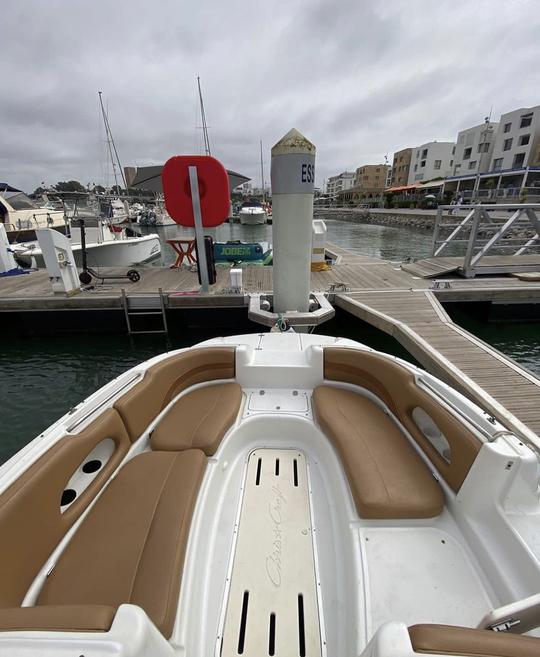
(106, 246)
(272, 494)
(252, 213)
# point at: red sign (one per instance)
(213, 189)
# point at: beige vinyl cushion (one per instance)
(395, 385)
(131, 546)
(388, 479)
(165, 380)
(31, 523)
(55, 618)
(199, 419)
(451, 640)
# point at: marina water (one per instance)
(42, 377)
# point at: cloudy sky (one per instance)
(359, 78)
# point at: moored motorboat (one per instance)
(106, 246)
(252, 213)
(280, 494)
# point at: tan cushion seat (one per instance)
(388, 479)
(131, 546)
(451, 640)
(80, 618)
(199, 419)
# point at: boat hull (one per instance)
(253, 217)
(114, 253)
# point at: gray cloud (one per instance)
(359, 78)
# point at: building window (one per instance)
(419, 176)
(526, 120)
(422, 163)
(507, 127)
(415, 167)
(483, 148)
(519, 160)
(467, 153)
(437, 164)
(497, 164)
(453, 150)
(451, 162)
(524, 140)
(507, 144)
(472, 164)
(424, 153)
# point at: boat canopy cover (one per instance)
(149, 178)
(4, 187)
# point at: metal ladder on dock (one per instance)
(148, 305)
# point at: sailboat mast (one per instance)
(262, 174)
(111, 145)
(203, 117)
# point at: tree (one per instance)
(70, 186)
(99, 189)
(38, 191)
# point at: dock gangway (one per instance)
(489, 239)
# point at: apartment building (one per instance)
(400, 167)
(517, 144)
(340, 183)
(432, 160)
(474, 149)
(371, 179)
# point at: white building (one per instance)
(517, 144)
(432, 160)
(474, 149)
(340, 183)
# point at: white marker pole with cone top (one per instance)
(293, 183)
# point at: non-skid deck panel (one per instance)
(272, 606)
(420, 575)
(417, 320)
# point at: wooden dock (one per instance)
(395, 299)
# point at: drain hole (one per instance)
(258, 477)
(301, 631)
(272, 635)
(91, 466)
(295, 472)
(243, 619)
(277, 467)
(68, 496)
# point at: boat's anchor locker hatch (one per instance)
(272, 603)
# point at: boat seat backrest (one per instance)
(397, 388)
(453, 640)
(163, 381)
(31, 519)
(199, 419)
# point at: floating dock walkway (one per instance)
(391, 297)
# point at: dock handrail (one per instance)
(483, 233)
